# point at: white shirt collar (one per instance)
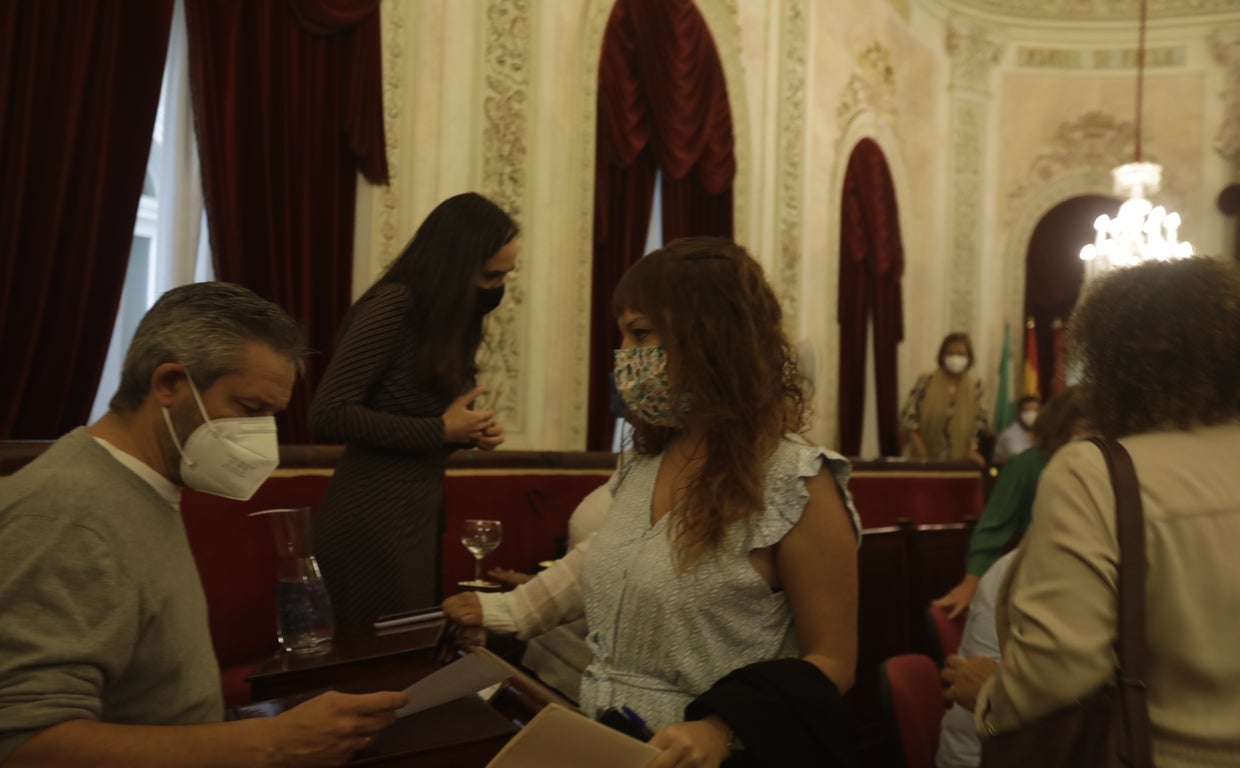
(162, 485)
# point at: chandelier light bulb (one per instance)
(1140, 230)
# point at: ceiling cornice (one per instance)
(1095, 10)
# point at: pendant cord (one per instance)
(1140, 75)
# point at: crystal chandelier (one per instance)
(1140, 230)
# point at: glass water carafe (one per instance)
(304, 621)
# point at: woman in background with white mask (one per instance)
(1018, 437)
(944, 413)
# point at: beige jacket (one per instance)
(1057, 610)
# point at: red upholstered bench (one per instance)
(236, 557)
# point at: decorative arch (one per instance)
(638, 132)
(1029, 209)
(724, 25)
(869, 296)
(1055, 275)
(567, 233)
(861, 119)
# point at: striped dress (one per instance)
(377, 533)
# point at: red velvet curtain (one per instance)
(79, 88)
(871, 265)
(288, 104)
(663, 106)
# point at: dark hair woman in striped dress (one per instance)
(399, 393)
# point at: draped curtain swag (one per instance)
(79, 89)
(288, 105)
(662, 105)
(871, 266)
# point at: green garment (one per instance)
(1008, 510)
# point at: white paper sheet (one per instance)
(460, 678)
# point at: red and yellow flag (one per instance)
(1030, 383)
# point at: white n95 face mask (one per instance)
(227, 457)
(956, 363)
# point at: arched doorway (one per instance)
(870, 302)
(1054, 274)
(663, 111)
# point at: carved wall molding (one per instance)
(1095, 10)
(723, 20)
(866, 110)
(506, 68)
(964, 244)
(1225, 44)
(974, 54)
(1035, 201)
(902, 7)
(1094, 142)
(1076, 159)
(794, 33)
(871, 88)
(392, 21)
(1102, 59)
(594, 26)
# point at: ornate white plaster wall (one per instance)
(872, 74)
(1095, 10)
(806, 82)
(1050, 155)
(500, 96)
(1062, 117)
(1225, 47)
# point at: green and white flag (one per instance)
(1004, 407)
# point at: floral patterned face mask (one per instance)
(641, 380)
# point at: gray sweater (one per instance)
(102, 615)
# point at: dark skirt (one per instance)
(377, 534)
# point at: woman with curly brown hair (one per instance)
(1159, 349)
(722, 588)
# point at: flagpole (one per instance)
(1004, 407)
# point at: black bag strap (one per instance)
(1130, 531)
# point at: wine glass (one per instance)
(481, 537)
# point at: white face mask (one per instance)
(227, 457)
(955, 363)
(641, 380)
(1027, 418)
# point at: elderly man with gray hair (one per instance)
(105, 657)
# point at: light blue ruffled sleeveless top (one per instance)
(660, 638)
